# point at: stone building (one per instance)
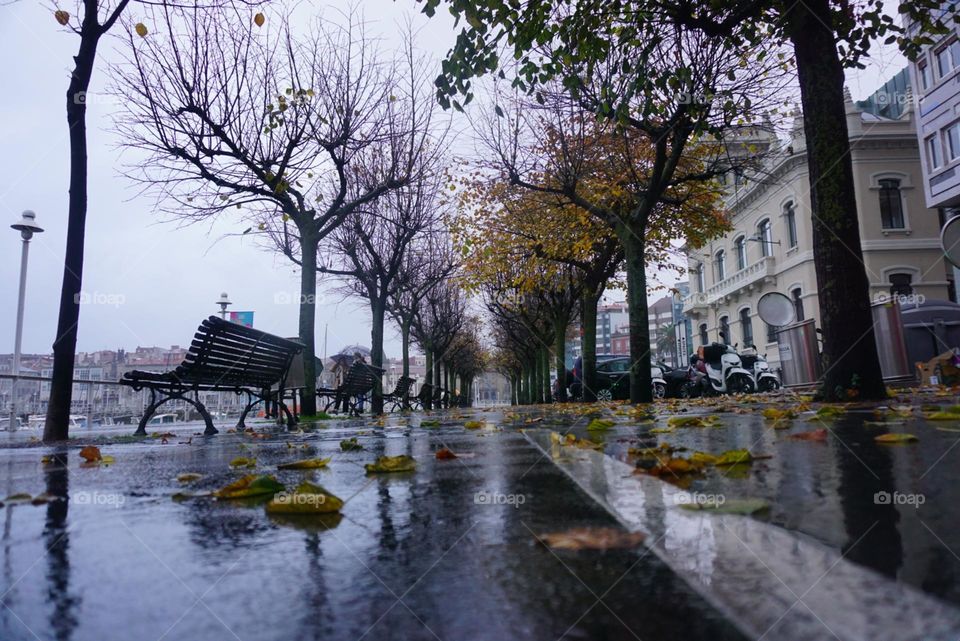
(770, 248)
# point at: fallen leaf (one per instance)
(305, 464)
(250, 485)
(445, 453)
(600, 424)
(21, 497)
(473, 425)
(430, 423)
(387, 464)
(896, 437)
(943, 416)
(91, 453)
(308, 498)
(189, 477)
(734, 457)
(243, 461)
(774, 414)
(813, 435)
(691, 421)
(585, 538)
(350, 445)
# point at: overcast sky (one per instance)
(150, 282)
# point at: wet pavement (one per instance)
(450, 551)
(415, 555)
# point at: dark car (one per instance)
(613, 378)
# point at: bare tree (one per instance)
(371, 248)
(428, 263)
(90, 20)
(298, 133)
(440, 316)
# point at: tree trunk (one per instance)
(641, 390)
(437, 381)
(377, 310)
(57, 424)
(588, 345)
(545, 364)
(528, 384)
(560, 354)
(428, 364)
(849, 349)
(405, 348)
(308, 315)
(514, 384)
(537, 375)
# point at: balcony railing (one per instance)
(746, 277)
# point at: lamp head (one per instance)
(27, 226)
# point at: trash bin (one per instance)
(799, 353)
(891, 344)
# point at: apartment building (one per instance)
(770, 248)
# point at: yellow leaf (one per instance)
(141, 29)
(387, 464)
(306, 464)
(599, 424)
(250, 485)
(189, 477)
(734, 457)
(259, 19)
(243, 461)
(896, 437)
(306, 499)
(473, 425)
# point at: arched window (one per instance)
(790, 220)
(901, 284)
(725, 330)
(704, 339)
(718, 261)
(740, 247)
(746, 327)
(771, 333)
(891, 204)
(797, 303)
(765, 237)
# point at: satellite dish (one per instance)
(950, 241)
(776, 309)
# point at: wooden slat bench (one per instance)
(355, 388)
(223, 357)
(400, 398)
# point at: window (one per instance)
(901, 284)
(704, 339)
(797, 303)
(746, 326)
(790, 218)
(934, 152)
(719, 262)
(725, 330)
(740, 247)
(701, 285)
(948, 58)
(923, 72)
(891, 204)
(952, 135)
(765, 236)
(771, 333)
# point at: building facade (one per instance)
(770, 248)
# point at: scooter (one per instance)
(763, 376)
(724, 370)
(657, 381)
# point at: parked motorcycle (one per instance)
(657, 380)
(724, 370)
(763, 377)
(680, 382)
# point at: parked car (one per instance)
(613, 378)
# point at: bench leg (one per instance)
(207, 419)
(246, 410)
(148, 414)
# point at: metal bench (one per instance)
(223, 357)
(356, 387)
(400, 398)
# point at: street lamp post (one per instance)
(223, 302)
(27, 228)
